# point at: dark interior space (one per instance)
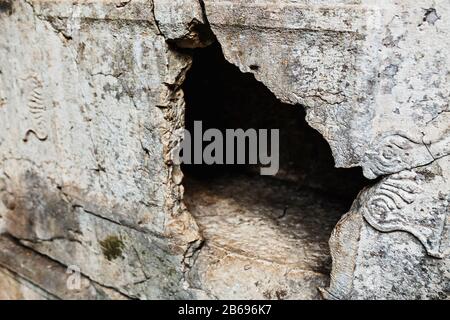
(286, 219)
(221, 96)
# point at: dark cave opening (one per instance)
(221, 96)
(241, 210)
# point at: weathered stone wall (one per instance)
(91, 107)
(90, 104)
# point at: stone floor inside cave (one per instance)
(265, 218)
(277, 226)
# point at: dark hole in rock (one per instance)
(6, 6)
(283, 220)
(431, 16)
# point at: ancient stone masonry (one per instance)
(93, 97)
(91, 107)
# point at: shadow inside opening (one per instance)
(286, 219)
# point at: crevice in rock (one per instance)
(6, 6)
(283, 220)
(30, 284)
(154, 19)
(12, 245)
(430, 16)
(122, 4)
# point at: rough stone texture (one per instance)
(183, 23)
(90, 104)
(91, 108)
(14, 288)
(374, 77)
(372, 74)
(264, 238)
(409, 258)
(41, 278)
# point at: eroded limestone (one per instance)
(91, 107)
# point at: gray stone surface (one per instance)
(392, 245)
(26, 274)
(255, 245)
(373, 76)
(91, 107)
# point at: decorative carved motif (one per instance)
(404, 202)
(393, 153)
(36, 108)
(394, 193)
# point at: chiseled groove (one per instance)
(18, 242)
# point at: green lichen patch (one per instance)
(112, 247)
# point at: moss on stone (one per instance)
(112, 247)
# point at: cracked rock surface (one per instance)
(257, 247)
(91, 107)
